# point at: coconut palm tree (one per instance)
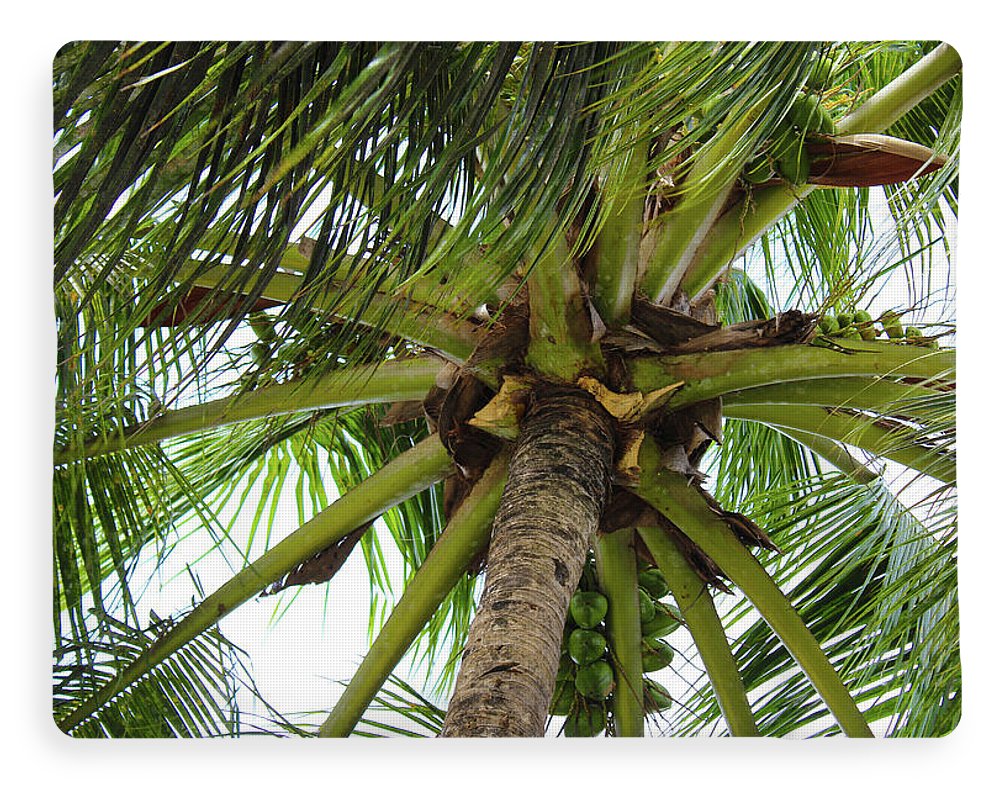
(582, 331)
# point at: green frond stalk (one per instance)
(616, 246)
(423, 288)
(904, 93)
(896, 443)
(466, 535)
(406, 475)
(742, 225)
(707, 187)
(714, 374)
(834, 452)
(387, 382)
(618, 580)
(673, 496)
(561, 344)
(453, 337)
(696, 605)
(849, 392)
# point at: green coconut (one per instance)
(655, 697)
(588, 608)
(785, 140)
(863, 321)
(562, 701)
(853, 333)
(654, 583)
(820, 74)
(646, 608)
(262, 326)
(587, 721)
(667, 619)
(656, 655)
(808, 114)
(794, 165)
(260, 353)
(586, 645)
(758, 170)
(828, 325)
(891, 324)
(595, 681)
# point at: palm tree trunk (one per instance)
(560, 475)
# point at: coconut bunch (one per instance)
(289, 347)
(585, 683)
(275, 356)
(786, 154)
(859, 325)
(807, 148)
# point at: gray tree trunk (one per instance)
(560, 475)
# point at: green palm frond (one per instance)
(870, 581)
(400, 710)
(191, 694)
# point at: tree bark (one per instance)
(559, 480)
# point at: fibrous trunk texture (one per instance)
(559, 479)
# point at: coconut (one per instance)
(808, 114)
(655, 697)
(262, 326)
(794, 165)
(646, 608)
(785, 140)
(587, 721)
(562, 701)
(891, 324)
(260, 353)
(822, 70)
(596, 680)
(654, 583)
(656, 655)
(586, 645)
(666, 620)
(758, 170)
(588, 608)
(828, 325)
(863, 321)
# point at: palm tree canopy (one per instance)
(337, 273)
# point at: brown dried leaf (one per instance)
(501, 417)
(322, 566)
(402, 412)
(868, 160)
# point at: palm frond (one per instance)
(191, 694)
(871, 582)
(400, 710)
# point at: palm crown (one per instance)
(569, 316)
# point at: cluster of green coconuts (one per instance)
(860, 326)
(785, 154)
(263, 350)
(269, 349)
(585, 683)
